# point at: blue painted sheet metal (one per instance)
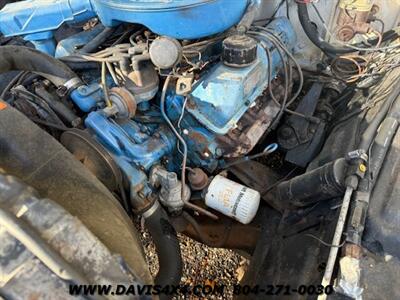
(182, 19)
(35, 16)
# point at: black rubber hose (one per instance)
(19, 58)
(313, 34)
(59, 107)
(167, 246)
(378, 151)
(84, 65)
(98, 40)
(369, 134)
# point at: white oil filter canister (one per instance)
(232, 199)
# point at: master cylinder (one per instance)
(354, 18)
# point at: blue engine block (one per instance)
(135, 147)
(218, 101)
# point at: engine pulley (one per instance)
(93, 156)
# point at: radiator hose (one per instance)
(167, 245)
(18, 58)
(312, 33)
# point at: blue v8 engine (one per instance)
(219, 115)
(188, 113)
(181, 96)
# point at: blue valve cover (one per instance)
(224, 94)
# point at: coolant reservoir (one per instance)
(232, 199)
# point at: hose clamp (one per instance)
(356, 155)
(72, 83)
(151, 210)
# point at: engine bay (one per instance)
(235, 131)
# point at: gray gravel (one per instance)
(202, 264)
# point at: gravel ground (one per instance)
(202, 264)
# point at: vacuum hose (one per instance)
(249, 16)
(98, 40)
(167, 245)
(18, 58)
(312, 33)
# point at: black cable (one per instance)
(291, 57)
(54, 102)
(287, 9)
(286, 76)
(11, 84)
(30, 97)
(269, 20)
(283, 52)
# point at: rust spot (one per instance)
(191, 104)
(202, 142)
(152, 145)
(198, 137)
